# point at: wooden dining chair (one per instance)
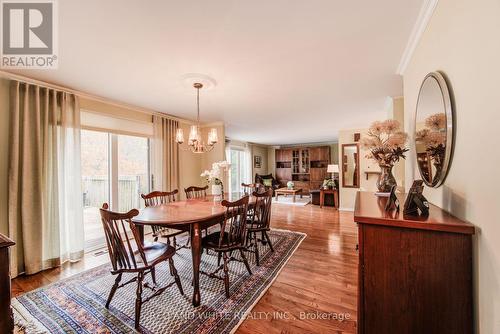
(248, 188)
(158, 198)
(140, 260)
(195, 192)
(258, 221)
(230, 238)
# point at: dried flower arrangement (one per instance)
(433, 136)
(386, 144)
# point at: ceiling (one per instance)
(286, 71)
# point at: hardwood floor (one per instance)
(316, 287)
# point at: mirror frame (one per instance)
(449, 111)
(357, 164)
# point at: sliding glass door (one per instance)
(133, 172)
(240, 168)
(95, 183)
(115, 170)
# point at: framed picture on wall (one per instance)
(257, 161)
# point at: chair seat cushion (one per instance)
(155, 251)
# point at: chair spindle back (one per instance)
(159, 197)
(262, 211)
(120, 248)
(234, 224)
(248, 188)
(196, 192)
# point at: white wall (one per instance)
(463, 41)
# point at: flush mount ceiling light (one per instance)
(195, 143)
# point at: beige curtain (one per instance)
(165, 157)
(45, 198)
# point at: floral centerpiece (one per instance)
(215, 176)
(433, 139)
(328, 184)
(386, 144)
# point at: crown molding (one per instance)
(423, 19)
(14, 76)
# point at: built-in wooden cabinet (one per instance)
(319, 154)
(305, 166)
(284, 155)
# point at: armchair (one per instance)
(260, 179)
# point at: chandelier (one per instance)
(195, 143)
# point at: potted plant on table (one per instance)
(386, 144)
(329, 184)
(215, 176)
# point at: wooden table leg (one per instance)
(196, 254)
(140, 230)
(294, 197)
(336, 199)
(321, 199)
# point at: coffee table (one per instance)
(286, 191)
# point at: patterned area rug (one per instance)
(76, 304)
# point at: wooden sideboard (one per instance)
(6, 319)
(415, 273)
(305, 166)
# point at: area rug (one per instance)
(288, 200)
(76, 304)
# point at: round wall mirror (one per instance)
(434, 129)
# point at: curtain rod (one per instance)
(25, 79)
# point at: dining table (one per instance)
(193, 216)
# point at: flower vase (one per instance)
(386, 179)
(217, 189)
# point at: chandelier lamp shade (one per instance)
(195, 142)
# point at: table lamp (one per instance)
(332, 169)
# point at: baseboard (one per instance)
(346, 209)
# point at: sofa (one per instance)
(259, 178)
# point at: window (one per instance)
(240, 168)
(115, 170)
(133, 172)
(95, 183)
